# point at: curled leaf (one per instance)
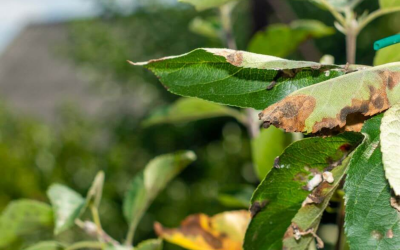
(223, 231)
(343, 103)
(237, 78)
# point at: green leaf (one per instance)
(147, 184)
(191, 109)
(389, 3)
(268, 145)
(390, 144)
(237, 78)
(23, 217)
(309, 216)
(387, 55)
(46, 245)
(237, 197)
(210, 27)
(96, 190)
(154, 244)
(281, 194)
(68, 205)
(344, 102)
(201, 5)
(281, 39)
(370, 222)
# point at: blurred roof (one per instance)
(16, 14)
(36, 81)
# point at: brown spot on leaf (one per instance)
(256, 207)
(289, 114)
(302, 177)
(376, 235)
(394, 202)
(235, 58)
(391, 78)
(389, 234)
(276, 162)
(345, 147)
(296, 232)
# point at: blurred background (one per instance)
(70, 104)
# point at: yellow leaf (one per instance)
(223, 231)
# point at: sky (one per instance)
(16, 14)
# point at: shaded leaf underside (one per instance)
(281, 194)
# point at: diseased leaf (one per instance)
(387, 55)
(389, 3)
(309, 216)
(206, 4)
(282, 39)
(342, 103)
(146, 185)
(268, 145)
(23, 217)
(67, 204)
(46, 245)
(237, 78)
(156, 244)
(371, 221)
(238, 196)
(191, 109)
(223, 231)
(390, 145)
(297, 176)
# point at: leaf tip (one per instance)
(137, 63)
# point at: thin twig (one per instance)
(339, 17)
(375, 15)
(131, 232)
(226, 19)
(90, 229)
(97, 222)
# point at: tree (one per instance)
(340, 108)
